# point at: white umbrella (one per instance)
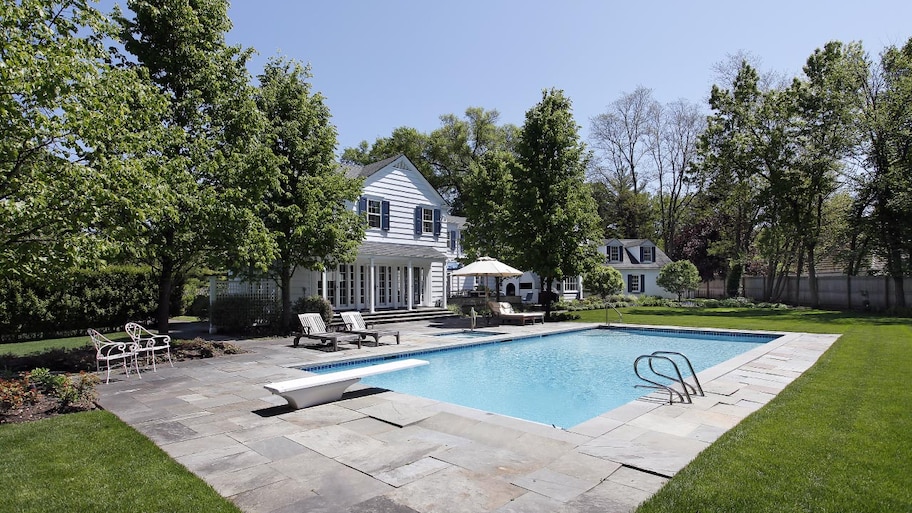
(487, 266)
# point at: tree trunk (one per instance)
(285, 278)
(812, 278)
(549, 297)
(165, 281)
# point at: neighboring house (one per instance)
(401, 262)
(639, 261)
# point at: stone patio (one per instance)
(382, 451)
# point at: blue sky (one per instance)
(385, 64)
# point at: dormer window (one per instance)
(615, 253)
(648, 254)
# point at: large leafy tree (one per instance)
(216, 170)
(446, 156)
(885, 186)
(555, 223)
(72, 131)
(306, 214)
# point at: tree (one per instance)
(447, 155)
(622, 139)
(605, 281)
(306, 214)
(215, 170)
(884, 196)
(678, 277)
(490, 224)
(72, 132)
(676, 129)
(554, 218)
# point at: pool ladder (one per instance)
(677, 378)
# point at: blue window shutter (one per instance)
(642, 283)
(452, 240)
(622, 253)
(629, 283)
(641, 254)
(437, 222)
(362, 205)
(418, 220)
(384, 215)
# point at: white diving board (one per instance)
(324, 388)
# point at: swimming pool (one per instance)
(561, 379)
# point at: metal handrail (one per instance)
(698, 389)
(620, 317)
(659, 386)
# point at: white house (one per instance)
(639, 261)
(409, 240)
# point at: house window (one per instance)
(427, 220)
(636, 283)
(648, 254)
(373, 213)
(569, 284)
(614, 253)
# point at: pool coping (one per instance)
(392, 450)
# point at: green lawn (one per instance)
(92, 461)
(40, 346)
(838, 439)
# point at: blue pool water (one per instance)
(561, 379)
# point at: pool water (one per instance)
(561, 379)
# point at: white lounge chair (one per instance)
(505, 311)
(354, 323)
(313, 327)
(107, 351)
(148, 343)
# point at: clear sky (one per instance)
(387, 63)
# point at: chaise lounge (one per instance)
(313, 327)
(505, 312)
(354, 323)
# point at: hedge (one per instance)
(103, 299)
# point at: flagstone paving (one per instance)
(382, 451)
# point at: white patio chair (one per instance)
(107, 351)
(148, 343)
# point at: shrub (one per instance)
(16, 393)
(67, 306)
(314, 304)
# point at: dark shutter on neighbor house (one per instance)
(384, 215)
(622, 253)
(417, 220)
(362, 205)
(452, 240)
(437, 223)
(630, 283)
(642, 283)
(641, 254)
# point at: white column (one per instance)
(410, 286)
(373, 288)
(356, 286)
(445, 281)
(324, 281)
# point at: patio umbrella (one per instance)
(488, 267)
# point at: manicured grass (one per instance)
(40, 346)
(92, 461)
(837, 439)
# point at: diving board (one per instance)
(324, 388)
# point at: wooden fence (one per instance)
(837, 292)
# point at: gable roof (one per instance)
(399, 162)
(632, 258)
(365, 171)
